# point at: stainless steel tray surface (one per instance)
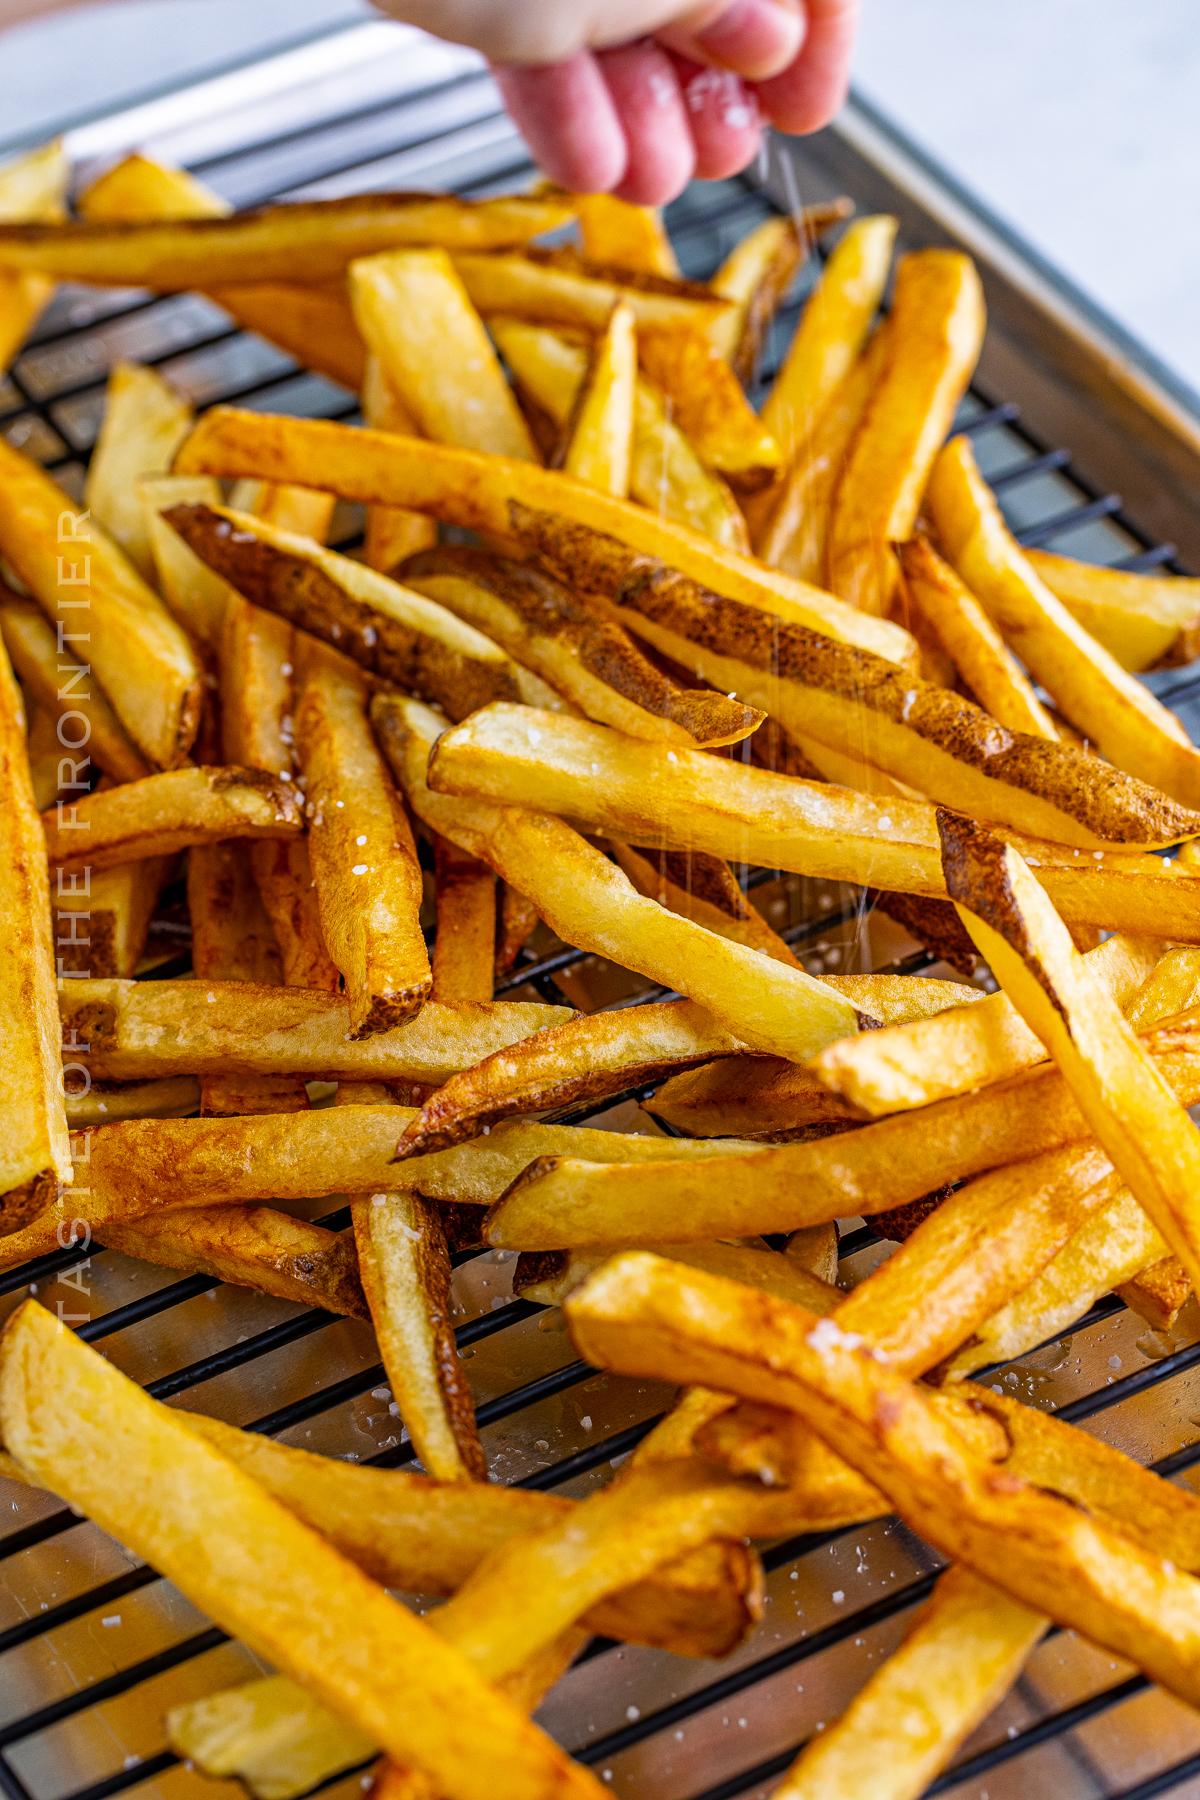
(95, 1647)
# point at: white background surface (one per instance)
(1076, 120)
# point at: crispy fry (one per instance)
(549, 1276)
(144, 424)
(934, 924)
(144, 1029)
(44, 753)
(516, 924)
(260, 1573)
(831, 334)
(548, 289)
(433, 352)
(1124, 1098)
(136, 649)
(588, 902)
(624, 236)
(167, 812)
(393, 533)
(708, 404)
(33, 187)
(306, 243)
(250, 1246)
(35, 1154)
(929, 1059)
(1118, 713)
(590, 660)
(464, 948)
(232, 939)
(972, 642)
(1144, 621)
(405, 1272)
(757, 274)
(174, 1097)
(101, 922)
(305, 511)
(464, 488)
(1172, 986)
(1158, 1292)
(937, 325)
(643, 1316)
(283, 872)
(744, 1096)
(364, 859)
(600, 438)
(702, 888)
(386, 629)
(196, 595)
(269, 1734)
(687, 800)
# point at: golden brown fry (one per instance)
(709, 405)
(386, 629)
(1144, 621)
(283, 872)
(550, 1275)
(832, 331)
(550, 289)
(969, 638)
(167, 812)
(33, 187)
(687, 800)
(757, 274)
(232, 939)
(174, 1097)
(149, 1028)
(623, 235)
(464, 949)
(1116, 712)
(305, 511)
(929, 1059)
(645, 1317)
(44, 753)
(269, 1734)
(35, 1155)
(515, 926)
(102, 917)
(937, 324)
(600, 437)
(588, 902)
(746, 1096)
(1158, 1292)
(1172, 986)
(144, 424)
(464, 488)
(364, 859)
(433, 352)
(702, 888)
(934, 924)
(1124, 1098)
(197, 597)
(250, 1246)
(587, 658)
(405, 1271)
(310, 242)
(261, 1574)
(135, 648)
(393, 533)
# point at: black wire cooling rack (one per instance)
(83, 1686)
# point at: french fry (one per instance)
(517, 922)
(145, 1029)
(305, 511)
(953, 1052)
(1158, 1292)
(389, 631)
(364, 859)
(972, 642)
(644, 1317)
(1172, 986)
(393, 533)
(283, 872)
(269, 1734)
(232, 938)
(934, 924)
(464, 488)
(625, 236)
(746, 1096)
(33, 187)
(250, 1246)
(1144, 621)
(686, 800)
(562, 1201)
(702, 888)
(35, 1155)
(757, 274)
(588, 902)
(433, 352)
(600, 441)
(197, 596)
(102, 921)
(1116, 712)
(174, 1097)
(260, 1573)
(590, 660)
(1124, 1098)
(831, 334)
(937, 324)
(405, 1271)
(464, 949)
(547, 289)
(792, 533)
(665, 471)
(136, 650)
(144, 424)
(164, 813)
(307, 243)
(709, 405)
(44, 753)
(549, 1276)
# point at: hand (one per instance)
(635, 97)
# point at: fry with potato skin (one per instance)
(137, 651)
(364, 859)
(165, 813)
(591, 660)
(250, 1246)
(588, 902)
(1124, 1098)
(88, 1433)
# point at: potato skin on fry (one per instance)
(250, 1246)
(164, 813)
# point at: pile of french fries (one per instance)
(667, 634)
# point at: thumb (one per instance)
(754, 38)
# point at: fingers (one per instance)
(724, 118)
(806, 95)
(645, 92)
(566, 115)
(753, 38)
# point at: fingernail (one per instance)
(754, 38)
